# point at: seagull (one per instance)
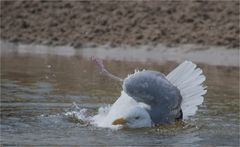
(149, 98)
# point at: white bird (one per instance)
(150, 98)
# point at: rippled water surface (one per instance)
(37, 91)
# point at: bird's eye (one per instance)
(137, 117)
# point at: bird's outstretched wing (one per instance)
(153, 89)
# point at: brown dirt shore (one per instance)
(121, 22)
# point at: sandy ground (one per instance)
(79, 23)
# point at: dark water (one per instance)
(38, 90)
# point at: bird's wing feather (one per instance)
(189, 80)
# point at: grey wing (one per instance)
(152, 88)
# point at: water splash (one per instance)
(78, 115)
(84, 117)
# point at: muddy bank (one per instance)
(120, 22)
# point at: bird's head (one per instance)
(136, 117)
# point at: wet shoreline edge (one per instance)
(210, 55)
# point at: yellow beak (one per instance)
(119, 121)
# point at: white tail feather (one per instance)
(189, 80)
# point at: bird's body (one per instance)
(152, 88)
(149, 98)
